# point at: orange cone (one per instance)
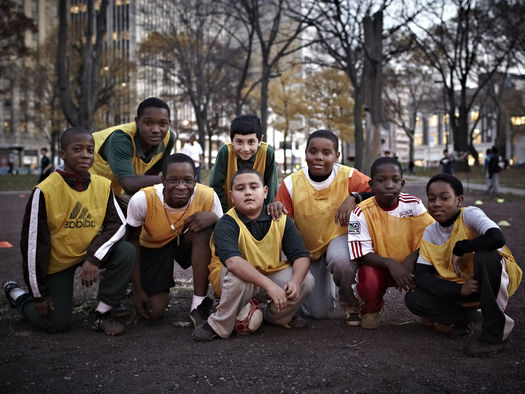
(5, 244)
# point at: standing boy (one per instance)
(172, 221)
(131, 155)
(194, 150)
(383, 237)
(446, 163)
(72, 220)
(246, 150)
(246, 263)
(320, 199)
(463, 260)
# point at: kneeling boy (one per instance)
(171, 221)
(247, 262)
(463, 260)
(72, 220)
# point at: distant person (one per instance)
(11, 163)
(320, 199)
(246, 150)
(72, 221)
(383, 237)
(463, 260)
(194, 150)
(446, 163)
(46, 167)
(411, 166)
(168, 222)
(494, 170)
(247, 262)
(486, 161)
(131, 155)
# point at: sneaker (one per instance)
(353, 319)
(200, 315)
(464, 332)
(297, 322)
(104, 322)
(120, 311)
(481, 348)
(8, 286)
(204, 333)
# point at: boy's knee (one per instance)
(308, 284)
(156, 313)
(126, 250)
(412, 302)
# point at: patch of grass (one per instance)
(18, 182)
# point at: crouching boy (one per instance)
(246, 262)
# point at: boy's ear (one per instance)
(337, 155)
(231, 197)
(265, 192)
(460, 201)
(370, 183)
(62, 154)
(260, 140)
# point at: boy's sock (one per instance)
(103, 307)
(197, 300)
(15, 293)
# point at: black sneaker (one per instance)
(120, 311)
(481, 348)
(200, 314)
(466, 331)
(8, 286)
(204, 333)
(297, 322)
(353, 319)
(105, 323)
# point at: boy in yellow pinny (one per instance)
(463, 260)
(246, 150)
(383, 237)
(246, 262)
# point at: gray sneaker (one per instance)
(204, 333)
(481, 348)
(104, 322)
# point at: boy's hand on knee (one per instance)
(403, 278)
(42, 307)
(276, 210)
(292, 290)
(469, 287)
(140, 301)
(342, 216)
(278, 296)
(88, 274)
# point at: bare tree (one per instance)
(471, 42)
(79, 105)
(279, 29)
(194, 50)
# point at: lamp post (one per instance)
(445, 114)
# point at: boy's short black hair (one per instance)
(247, 171)
(177, 158)
(495, 150)
(324, 134)
(43, 149)
(68, 134)
(384, 160)
(246, 124)
(454, 182)
(152, 102)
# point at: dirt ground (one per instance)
(402, 356)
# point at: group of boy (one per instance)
(330, 225)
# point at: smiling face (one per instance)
(387, 184)
(248, 194)
(443, 204)
(79, 154)
(245, 146)
(179, 183)
(152, 126)
(321, 154)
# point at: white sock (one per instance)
(197, 300)
(15, 293)
(103, 307)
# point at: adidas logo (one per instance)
(80, 217)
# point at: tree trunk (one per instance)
(264, 99)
